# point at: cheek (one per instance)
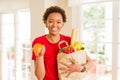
(61, 25)
(48, 25)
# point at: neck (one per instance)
(53, 38)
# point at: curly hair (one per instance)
(54, 9)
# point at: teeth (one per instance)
(54, 29)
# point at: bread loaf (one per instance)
(74, 35)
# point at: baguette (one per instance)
(74, 35)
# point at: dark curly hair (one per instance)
(53, 9)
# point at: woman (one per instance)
(46, 63)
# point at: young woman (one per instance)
(46, 63)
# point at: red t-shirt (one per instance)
(50, 57)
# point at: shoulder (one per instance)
(39, 39)
(65, 37)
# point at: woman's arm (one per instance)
(39, 68)
(39, 65)
(90, 64)
(76, 67)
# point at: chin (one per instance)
(55, 33)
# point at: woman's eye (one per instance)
(50, 21)
(58, 22)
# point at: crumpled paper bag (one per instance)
(79, 56)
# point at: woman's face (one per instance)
(54, 23)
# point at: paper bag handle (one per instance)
(63, 41)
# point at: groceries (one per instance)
(78, 45)
(73, 51)
(75, 44)
(73, 36)
(67, 49)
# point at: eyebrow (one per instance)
(53, 19)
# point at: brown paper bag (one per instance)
(79, 56)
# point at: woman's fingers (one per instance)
(65, 71)
(63, 68)
(65, 64)
(68, 68)
(68, 74)
(43, 50)
(73, 61)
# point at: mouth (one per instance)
(54, 29)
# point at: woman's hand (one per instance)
(69, 68)
(40, 51)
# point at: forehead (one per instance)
(55, 16)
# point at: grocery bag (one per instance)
(79, 56)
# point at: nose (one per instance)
(55, 24)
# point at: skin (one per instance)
(54, 24)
